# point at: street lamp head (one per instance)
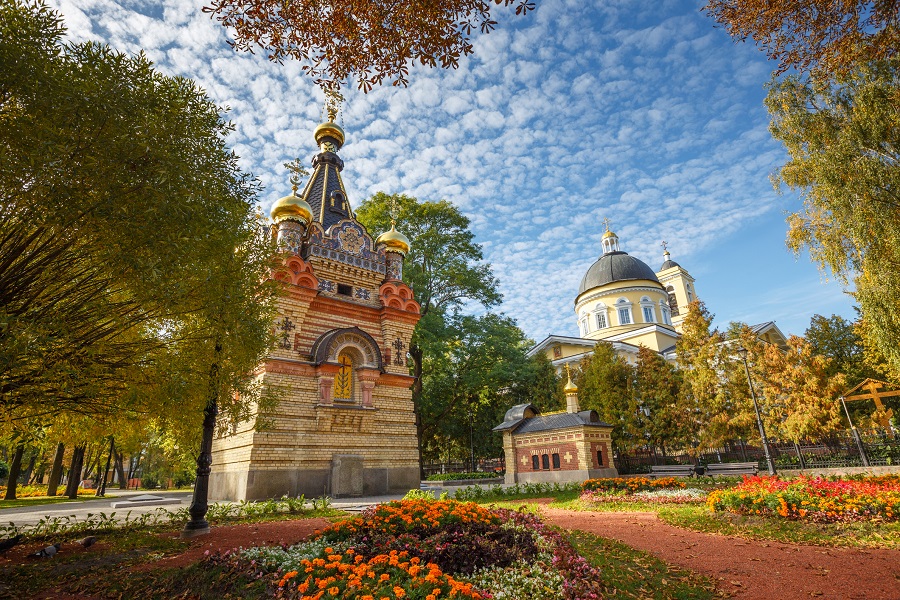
(742, 351)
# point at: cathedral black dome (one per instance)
(615, 266)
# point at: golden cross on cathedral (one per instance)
(606, 222)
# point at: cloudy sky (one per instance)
(640, 111)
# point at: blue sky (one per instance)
(639, 111)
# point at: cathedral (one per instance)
(623, 301)
(344, 424)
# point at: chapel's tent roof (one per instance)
(525, 418)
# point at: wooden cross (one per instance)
(872, 386)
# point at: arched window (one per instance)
(673, 302)
(535, 462)
(545, 460)
(555, 460)
(623, 310)
(664, 311)
(343, 379)
(599, 458)
(690, 293)
(647, 310)
(600, 316)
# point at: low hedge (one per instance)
(458, 476)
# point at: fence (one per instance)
(881, 447)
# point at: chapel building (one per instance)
(344, 424)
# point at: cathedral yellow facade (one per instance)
(622, 300)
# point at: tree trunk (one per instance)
(15, 470)
(120, 471)
(75, 471)
(26, 476)
(101, 485)
(56, 470)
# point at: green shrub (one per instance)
(458, 476)
(4, 470)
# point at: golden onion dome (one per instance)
(608, 234)
(329, 129)
(292, 207)
(394, 241)
(570, 388)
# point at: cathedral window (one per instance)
(690, 293)
(664, 310)
(623, 309)
(344, 289)
(343, 379)
(647, 310)
(583, 324)
(555, 460)
(601, 320)
(545, 462)
(673, 302)
(535, 462)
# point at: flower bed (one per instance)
(34, 491)
(429, 550)
(813, 499)
(676, 496)
(631, 485)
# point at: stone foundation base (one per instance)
(578, 475)
(261, 484)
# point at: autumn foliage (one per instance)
(369, 40)
(814, 35)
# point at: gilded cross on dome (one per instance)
(665, 246)
(297, 171)
(606, 222)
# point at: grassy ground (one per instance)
(630, 573)
(858, 535)
(36, 500)
(100, 570)
(699, 518)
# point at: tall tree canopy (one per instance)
(843, 137)
(369, 40)
(826, 36)
(130, 255)
(446, 271)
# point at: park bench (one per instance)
(671, 471)
(741, 468)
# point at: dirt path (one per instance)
(747, 569)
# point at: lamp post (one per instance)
(859, 445)
(472, 439)
(762, 430)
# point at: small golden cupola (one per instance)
(571, 391)
(291, 207)
(394, 241)
(609, 241)
(291, 215)
(396, 247)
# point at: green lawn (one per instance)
(630, 573)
